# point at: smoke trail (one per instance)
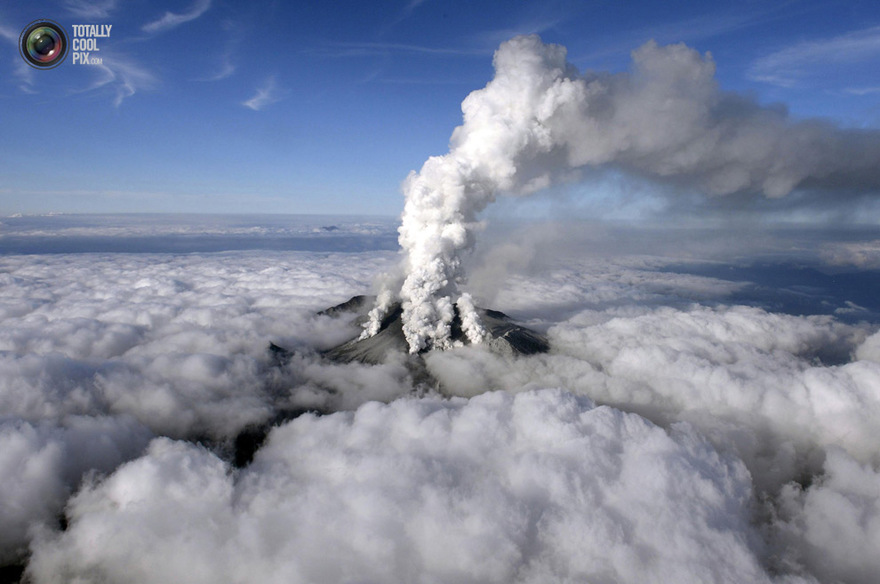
(539, 120)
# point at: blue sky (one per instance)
(324, 107)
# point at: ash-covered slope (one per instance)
(505, 336)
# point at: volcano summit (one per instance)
(503, 336)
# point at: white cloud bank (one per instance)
(43, 463)
(178, 342)
(98, 353)
(535, 487)
(835, 523)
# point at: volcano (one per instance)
(503, 335)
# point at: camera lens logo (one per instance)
(43, 44)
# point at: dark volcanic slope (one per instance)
(505, 336)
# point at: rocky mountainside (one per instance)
(505, 336)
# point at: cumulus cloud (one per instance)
(42, 463)
(832, 527)
(750, 380)
(536, 487)
(870, 349)
(171, 20)
(540, 121)
(179, 343)
(98, 353)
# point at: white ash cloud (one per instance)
(540, 120)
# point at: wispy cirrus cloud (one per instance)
(226, 69)
(862, 90)
(689, 30)
(119, 73)
(8, 34)
(95, 9)
(365, 49)
(172, 19)
(20, 70)
(267, 94)
(25, 77)
(401, 16)
(789, 66)
(123, 76)
(490, 39)
(227, 64)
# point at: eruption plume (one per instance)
(539, 121)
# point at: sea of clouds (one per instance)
(684, 427)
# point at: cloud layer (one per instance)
(43, 463)
(729, 439)
(98, 353)
(834, 523)
(178, 343)
(535, 487)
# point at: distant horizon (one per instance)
(197, 214)
(718, 238)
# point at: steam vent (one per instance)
(504, 336)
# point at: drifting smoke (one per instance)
(540, 121)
